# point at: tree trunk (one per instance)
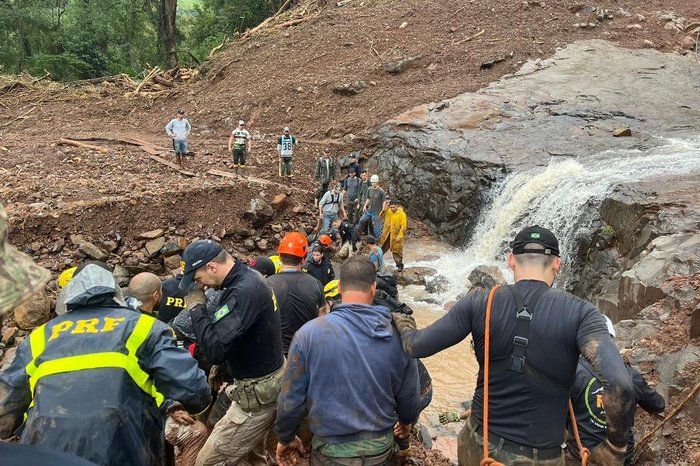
(168, 12)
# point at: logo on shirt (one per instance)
(223, 311)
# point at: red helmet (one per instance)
(294, 244)
(325, 240)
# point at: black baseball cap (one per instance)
(538, 235)
(197, 255)
(371, 240)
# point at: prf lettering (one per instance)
(176, 302)
(105, 324)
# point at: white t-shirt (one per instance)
(240, 138)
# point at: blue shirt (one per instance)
(377, 258)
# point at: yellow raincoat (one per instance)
(393, 229)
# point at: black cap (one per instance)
(371, 240)
(197, 255)
(538, 235)
(264, 265)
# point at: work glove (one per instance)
(603, 455)
(403, 322)
(449, 416)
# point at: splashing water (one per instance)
(558, 197)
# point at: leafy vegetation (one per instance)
(80, 39)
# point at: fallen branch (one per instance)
(218, 47)
(467, 39)
(291, 23)
(672, 414)
(229, 63)
(163, 81)
(71, 142)
(36, 80)
(21, 117)
(148, 77)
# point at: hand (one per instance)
(403, 322)
(288, 455)
(602, 455)
(402, 430)
(181, 417)
(449, 416)
(215, 378)
(195, 296)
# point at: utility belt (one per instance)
(497, 441)
(252, 395)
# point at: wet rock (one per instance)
(121, 274)
(350, 89)
(414, 275)
(280, 202)
(486, 277)
(171, 249)
(34, 311)
(152, 234)
(436, 284)
(622, 132)
(154, 246)
(172, 262)
(92, 251)
(260, 212)
(400, 66)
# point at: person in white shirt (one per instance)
(285, 147)
(239, 144)
(179, 130)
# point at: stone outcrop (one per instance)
(439, 157)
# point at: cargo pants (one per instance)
(188, 440)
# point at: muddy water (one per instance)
(453, 370)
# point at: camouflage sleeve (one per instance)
(14, 391)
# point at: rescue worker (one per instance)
(319, 267)
(21, 279)
(99, 380)
(325, 173)
(348, 370)
(65, 278)
(587, 399)
(349, 239)
(240, 145)
(172, 301)
(277, 262)
(179, 130)
(285, 147)
(265, 265)
(299, 295)
(362, 196)
(393, 229)
(537, 334)
(372, 208)
(145, 292)
(244, 332)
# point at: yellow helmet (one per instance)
(278, 263)
(65, 277)
(331, 289)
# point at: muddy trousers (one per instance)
(470, 445)
(187, 440)
(398, 255)
(285, 167)
(236, 435)
(319, 459)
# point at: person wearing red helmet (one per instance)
(299, 295)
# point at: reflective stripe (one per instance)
(129, 362)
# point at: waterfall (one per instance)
(558, 197)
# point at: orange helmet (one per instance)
(294, 244)
(325, 240)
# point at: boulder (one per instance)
(152, 234)
(154, 246)
(170, 249)
(121, 274)
(261, 244)
(688, 43)
(109, 245)
(436, 284)
(486, 276)
(93, 251)
(34, 312)
(350, 88)
(280, 202)
(249, 244)
(414, 275)
(259, 213)
(172, 262)
(400, 66)
(8, 335)
(622, 132)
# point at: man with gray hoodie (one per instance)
(371, 395)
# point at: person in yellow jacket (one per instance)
(394, 227)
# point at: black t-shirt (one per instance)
(299, 297)
(245, 330)
(323, 272)
(173, 300)
(521, 409)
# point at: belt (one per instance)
(520, 449)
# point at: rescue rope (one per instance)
(583, 452)
(486, 459)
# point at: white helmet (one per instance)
(609, 324)
(374, 178)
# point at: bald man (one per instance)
(145, 288)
